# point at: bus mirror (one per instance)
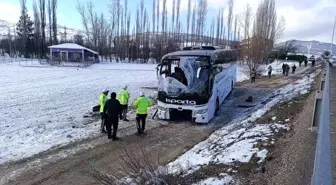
(199, 72)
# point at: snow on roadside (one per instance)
(236, 142)
(224, 147)
(241, 73)
(216, 181)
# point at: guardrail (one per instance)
(322, 174)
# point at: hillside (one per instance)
(317, 47)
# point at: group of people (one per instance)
(286, 68)
(306, 61)
(115, 108)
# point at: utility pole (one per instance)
(309, 47)
(332, 40)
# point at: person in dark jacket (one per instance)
(287, 69)
(270, 71)
(253, 75)
(112, 111)
(300, 62)
(306, 62)
(293, 69)
(313, 62)
(283, 69)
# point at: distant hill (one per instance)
(317, 47)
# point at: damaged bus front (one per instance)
(186, 86)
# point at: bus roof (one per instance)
(190, 53)
(194, 53)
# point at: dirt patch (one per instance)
(284, 112)
(168, 140)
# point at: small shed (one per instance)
(71, 52)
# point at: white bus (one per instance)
(194, 82)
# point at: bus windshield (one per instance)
(179, 76)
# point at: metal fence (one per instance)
(322, 174)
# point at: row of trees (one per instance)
(153, 34)
(32, 36)
(150, 32)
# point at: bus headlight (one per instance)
(202, 111)
(163, 109)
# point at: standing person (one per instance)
(270, 71)
(283, 69)
(142, 104)
(287, 69)
(306, 62)
(313, 62)
(102, 101)
(300, 62)
(112, 110)
(293, 69)
(123, 97)
(253, 75)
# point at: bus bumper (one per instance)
(199, 114)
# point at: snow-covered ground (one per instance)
(43, 107)
(237, 142)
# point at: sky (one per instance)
(305, 19)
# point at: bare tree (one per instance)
(50, 22)
(280, 28)
(235, 31)
(177, 27)
(83, 13)
(229, 24)
(222, 28)
(266, 29)
(153, 16)
(188, 20)
(163, 22)
(193, 24)
(37, 28)
(43, 24)
(219, 26)
(158, 15)
(202, 15)
(113, 22)
(126, 33)
(245, 22)
(173, 17)
(54, 17)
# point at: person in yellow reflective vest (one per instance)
(142, 104)
(123, 97)
(102, 101)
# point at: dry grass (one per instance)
(135, 166)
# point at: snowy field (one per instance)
(42, 107)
